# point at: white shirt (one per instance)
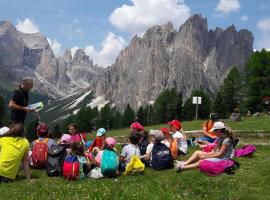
(182, 142)
(129, 151)
(166, 142)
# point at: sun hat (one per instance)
(110, 141)
(66, 138)
(218, 126)
(137, 126)
(176, 124)
(101, 131)
(165, 131)
(158, 135)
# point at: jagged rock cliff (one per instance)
(190, 58)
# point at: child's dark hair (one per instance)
(72, 125)
(145, 135)
(77, 148)
(229, 134)
(135, 137)
(15, 130)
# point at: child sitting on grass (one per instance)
(13, 152)
(178, 137)
(132, 148)
(77, 148)
(224, 150)
(99, 141)
(108, 159)
(75, 136)
(167, 137)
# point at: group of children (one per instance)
(76, 158)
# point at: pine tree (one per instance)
(105, 117)
(231, 90)
(68, 120)
(56, 131)
(219, 106)
(189, 109)
(149, 115)
(166, 106)
(128, 116)
(258, 80)
(141, 116)
(116, 119)
(83, 119)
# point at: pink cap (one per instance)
(65, 138)
(137, 126)
(110, 141)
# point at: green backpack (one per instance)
(109, 163)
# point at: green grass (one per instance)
(251, 124)
(251, 181)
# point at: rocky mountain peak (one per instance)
(80, 58)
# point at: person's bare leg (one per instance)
(192, 158)
(192, 166)
(26, 167)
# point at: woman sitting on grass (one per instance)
(13, 151)
(224, 149)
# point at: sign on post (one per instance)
(197, 101)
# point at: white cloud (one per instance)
(227, 6)
(111, 47)
(143, 14)
(244, 18)
(27, 26)
(264, 27)
(55, 46)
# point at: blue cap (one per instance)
(101, 131)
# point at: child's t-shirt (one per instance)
(166, 142)
(78, 137)
(99, 158)
(182, 144)
(12, 150)
(129, 151)
(230, 152)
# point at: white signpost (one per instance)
(197, 101)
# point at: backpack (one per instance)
(40, 153)
(161, 157)
(71, 167)
(109, 163)
(215, 168)
(246, 151)
(56, 157)
(135, 166)
(174, 150)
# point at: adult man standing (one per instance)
(19, 102)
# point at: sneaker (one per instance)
(179, 166)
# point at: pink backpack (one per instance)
(246, 151)
(215, 168)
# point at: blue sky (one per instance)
(104, 27)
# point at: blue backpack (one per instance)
(161, 157)
(109, 163)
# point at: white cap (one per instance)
(218, 126)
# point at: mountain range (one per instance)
(192, 57)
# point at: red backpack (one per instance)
(71, 167)
(40, 153)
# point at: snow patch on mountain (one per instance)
(98, 102)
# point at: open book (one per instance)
(36, 106)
